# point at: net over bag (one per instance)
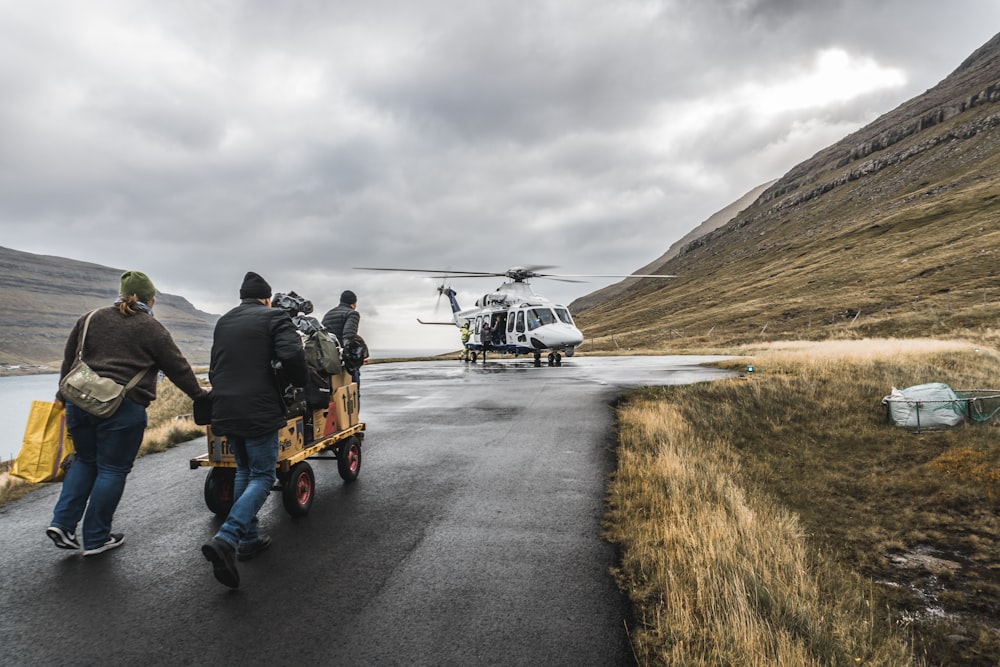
(47, 447)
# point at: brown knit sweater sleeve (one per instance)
(176, 367)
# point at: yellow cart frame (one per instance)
(295, 478)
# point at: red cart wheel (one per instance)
(219, 487)
(349, 458)
(299, 489)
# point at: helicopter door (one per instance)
(497, 323)
(519, 326)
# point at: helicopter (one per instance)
(513, 319)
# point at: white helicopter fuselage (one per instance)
(515, 320)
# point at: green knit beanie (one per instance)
(139, 284)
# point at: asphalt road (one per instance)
(472, 537)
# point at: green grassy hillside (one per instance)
(890, 232)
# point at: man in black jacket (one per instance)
(342, 321)
(247, 407)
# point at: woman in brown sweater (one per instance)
(121, 341)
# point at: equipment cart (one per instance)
(334, 433)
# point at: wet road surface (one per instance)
(472, 537)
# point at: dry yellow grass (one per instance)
(167, 424)
(12, 488)
(720, 578)
(756, 516)
(884, 349)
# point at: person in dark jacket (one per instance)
(247, 407)
(342, 321)
(496, 331)
(122, 340)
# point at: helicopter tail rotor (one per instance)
(440, 290)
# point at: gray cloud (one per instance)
(299, 139)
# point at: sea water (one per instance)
(16, 395)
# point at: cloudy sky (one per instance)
(199, 139)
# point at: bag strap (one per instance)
(83, 335)
(134, 381)
(79, 355)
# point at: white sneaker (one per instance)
(62, 539)
(115, 540)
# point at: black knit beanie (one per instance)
(254, 287)
(348, 297)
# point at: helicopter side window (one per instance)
(564, 315)
(520, 321)
(510, 323)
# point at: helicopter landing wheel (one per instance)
(472, 357)
(552, 359)
(538, 359)
(557, 359)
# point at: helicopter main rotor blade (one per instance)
(595, 275)
(442, 273)
(514, 273)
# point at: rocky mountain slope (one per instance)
(891, 231)
(41, 297)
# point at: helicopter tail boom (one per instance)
(450, 293)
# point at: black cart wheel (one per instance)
(219, 487)
(349, 458)
(299, 489)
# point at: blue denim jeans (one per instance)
(255, 476)
(105, 451)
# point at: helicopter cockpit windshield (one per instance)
(539, 317)
(564, 316)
